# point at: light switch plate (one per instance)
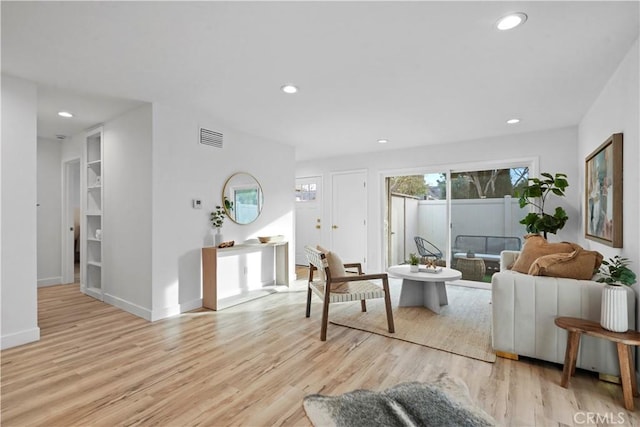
(197, 204)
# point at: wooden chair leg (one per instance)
(308, 301)
(363, 304)
(325, 317)
(311, 268)
(387, 304)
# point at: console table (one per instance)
(624, 340)
(242, 272)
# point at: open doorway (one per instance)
(71, 221)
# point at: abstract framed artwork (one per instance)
(603, 193)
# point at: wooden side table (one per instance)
(576, 327)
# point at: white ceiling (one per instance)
(414, 73)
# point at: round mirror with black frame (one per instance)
(242, 198)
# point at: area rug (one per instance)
(443, 402)
(463, 327)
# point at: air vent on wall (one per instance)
(210, 137)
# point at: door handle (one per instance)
(334, 226)
(318, 226)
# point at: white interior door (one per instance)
(308, 215)
(71, 219)
(349, 216)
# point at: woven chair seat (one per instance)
(349, 291)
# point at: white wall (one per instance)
(183, 170)
(551, 147)
(617, 110)
(49, 212)
(71, 148)
(127, 213)
(18, 252)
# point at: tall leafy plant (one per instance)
(535, 194)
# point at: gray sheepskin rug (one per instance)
(444, 402)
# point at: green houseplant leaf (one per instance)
(615, 271)
(217, 217)
(535, 194)
(414, 259)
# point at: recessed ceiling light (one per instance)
(65, 114)
(289, 89)
(511, 21)
(383, 141)
(513, 121)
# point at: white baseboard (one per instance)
(163, 313)
(19, 338)
(145, 313)
(49, 281)
(191, 305)
(127, 306)
(92, 292)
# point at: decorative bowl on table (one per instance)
(271, 239)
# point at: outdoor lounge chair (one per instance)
(427, 249)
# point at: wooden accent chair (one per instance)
(343, 288)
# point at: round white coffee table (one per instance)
(422, 288)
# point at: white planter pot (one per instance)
(613, 312)
(414, 268)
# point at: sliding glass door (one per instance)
(485, 218)
(464, 216)
(416, 208)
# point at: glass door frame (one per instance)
(530, 162)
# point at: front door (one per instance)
(308, 215)
(349, 216)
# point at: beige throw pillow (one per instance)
(579, 264)
(536, 246)
(336, 268)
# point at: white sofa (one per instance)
(524, 308)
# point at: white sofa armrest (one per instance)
(507, 258)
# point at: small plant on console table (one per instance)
(535, 194)
(217, 218)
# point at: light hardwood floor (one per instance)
(250, 365)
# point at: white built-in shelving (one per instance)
(91, 266)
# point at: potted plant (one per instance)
(414, 262)
(535, 194)
(217, 218)
(613, 311)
